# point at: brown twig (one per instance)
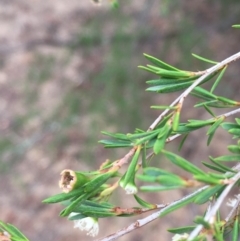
(142, 222)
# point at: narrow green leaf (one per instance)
(161, 139)
(154, 68)
(144, 203)
(66, 211)
(205, 195)
(98, 181)
(220, 105)
(176, 119)
(179, 204)
(155, 172)
(227, 101)
(186, 229)
(96, 212)
(228, 158)
(229, 125)
(234, 149)
(131, 169)
(182, 142)
(163, 177)
(96, 204)
(199, 123)
(149, 137)
(209, 111)
(146, 178)
(236, 26)
(151, 143)
(14, 232)
(184, 129)
(218, 79)
(147, 69)
(76, 217)
(219, 175)
(206, 103)
(144, 156)
(161, 81)
(207, 179)
(204, 59)
(235, 131)
(118, 136)
(160, 63)
(211, 131)
(171, 74)
(158, 188)
(169, 88)
(202, 93)
(142, 135)
(171, 180)
(184, 164)
(174, 74)
(63, 196)
(115, 143)
(213, 167)
(167, 81)
(237, 120)
(210, 137)
(223, 167)
(235, 236)
(163, 107)
(215, 125)
(158, 145)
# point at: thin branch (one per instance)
(233, 112)
(208, 72)
(142, 222)
(125, 159)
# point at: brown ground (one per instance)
(58, 63)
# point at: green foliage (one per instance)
(210, 186)
(10, 232)
(92, 199)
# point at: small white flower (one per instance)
(231, 202)
(130, 189)
(180, 237)
(87, 224)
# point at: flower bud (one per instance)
(88, 224)
(131, 188)
(71, 180)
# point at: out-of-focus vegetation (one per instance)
(71, 71)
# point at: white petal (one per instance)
(94, 231)
(179, 237)
(87, 224)
(130, 189)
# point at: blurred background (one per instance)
(68, 69)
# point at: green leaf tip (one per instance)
(236, 26)
(204, 59)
